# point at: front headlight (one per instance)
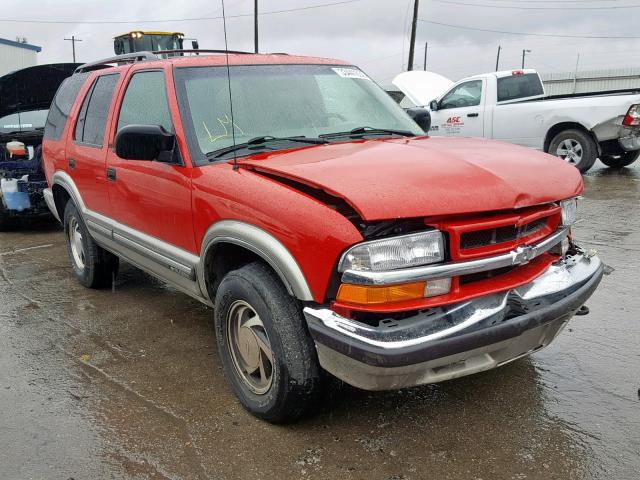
(569, 208)
(397, 252)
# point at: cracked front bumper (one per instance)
(454, 340)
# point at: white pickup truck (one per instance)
(512, 106)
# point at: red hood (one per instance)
(403, 178)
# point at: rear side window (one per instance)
(145, 102)
(61, 105)
(519, 86)
(92, 119)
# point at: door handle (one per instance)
(111, 174)
(72, 163)
(472, 114)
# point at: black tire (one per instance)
(98, 267)
(295, 381)
(588, 148)
(619, 161)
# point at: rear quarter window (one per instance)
(519, 86)
(61, 105)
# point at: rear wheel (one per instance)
(576, 148)
(266, 351)
(93, 266)
(619, 161)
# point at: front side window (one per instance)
(145, 101)
(280, 101)
(467, 94)
(92, 118)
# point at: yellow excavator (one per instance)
(138, 41)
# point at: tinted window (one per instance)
(95, 108)
(61, 106)
(519, 86)
(145, 102)
(467, 94)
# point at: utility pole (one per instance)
(73, 41)
(414, 25)
(426, 49)
(498, 58)
(523, 54)
(255, 24)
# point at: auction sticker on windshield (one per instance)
(351, 73)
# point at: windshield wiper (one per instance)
(369, 131)
(263, 142)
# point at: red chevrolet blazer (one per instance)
(326, 229)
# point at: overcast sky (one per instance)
(373, 34)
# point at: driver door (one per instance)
(460, 111)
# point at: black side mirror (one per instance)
(421, 116)
(145, 142)
(433, 105)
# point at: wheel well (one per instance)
(60, 198)
(224, 257)
(560, 127)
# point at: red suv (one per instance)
(317, 218)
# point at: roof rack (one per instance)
(155, 55)
(238, 52)
(126, 58)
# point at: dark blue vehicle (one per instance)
(25, 98)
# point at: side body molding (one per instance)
(161, 259)
(262, 244)
(183, 269)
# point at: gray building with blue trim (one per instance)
(16, 55)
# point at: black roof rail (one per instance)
(126, 58)
(196, 51)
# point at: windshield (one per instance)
(24, 121)
(281, 101)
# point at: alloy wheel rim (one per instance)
(250, 348)
(570, 151)
(77, 246)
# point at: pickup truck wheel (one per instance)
(267, 353)
(575, 147)
(93, 266)
(620, 161)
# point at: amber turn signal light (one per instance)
(368, 295)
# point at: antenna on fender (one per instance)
(226, 48)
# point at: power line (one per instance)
(218, 17)
(513, 7)
(599, 37)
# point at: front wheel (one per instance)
(266, 351)
(619, 161)
(93, 266)
(576, 148)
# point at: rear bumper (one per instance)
(456, 340)
(630, 143)
(48, 198)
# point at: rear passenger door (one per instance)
(150, 197)
(86, 147)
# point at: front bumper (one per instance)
(455, 340)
